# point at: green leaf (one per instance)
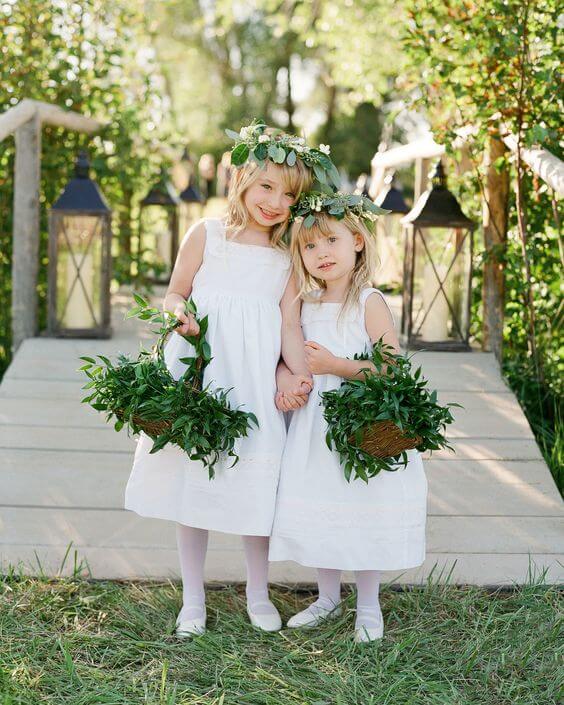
(320, 173)
(291, 158)
(309, 221)
(140, 300)
(239, 155)
(260, 151)
(280, 156)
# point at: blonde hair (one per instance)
(364, 270)
(296, 178)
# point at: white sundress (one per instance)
(321, 520)
(239, 287)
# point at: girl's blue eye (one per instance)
(266, 186)
(291, 195)
(309, 246)
(331, 238)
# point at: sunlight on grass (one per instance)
(75, 641)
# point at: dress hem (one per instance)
(197, 523)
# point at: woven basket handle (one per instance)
(158, 352)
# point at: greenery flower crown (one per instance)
(337, 205)
(252, 143)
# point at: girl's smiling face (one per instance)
(332, 257)
(268, 198)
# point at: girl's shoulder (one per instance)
(374, 305)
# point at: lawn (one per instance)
(85, 642)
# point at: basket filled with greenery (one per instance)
(141, 394)
(373, 422)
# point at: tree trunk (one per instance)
(494, 219)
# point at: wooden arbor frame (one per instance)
(25, 120)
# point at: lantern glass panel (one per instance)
(440, 284)
(389, 249)
(79, 271)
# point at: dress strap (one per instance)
(365, 293)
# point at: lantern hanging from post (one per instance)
(79, 271)
(437, 271)
(158, 219)
(389, 244)
(192, 204)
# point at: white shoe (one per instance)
(369, 626)
(192, 626)
(312, 616)
(270, 622)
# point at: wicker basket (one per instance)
(150, 426)
(383, 439)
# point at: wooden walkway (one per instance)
(494, 510)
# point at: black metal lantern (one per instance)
(389, 245)
(79, 270)
(158, 220)
(437, 271)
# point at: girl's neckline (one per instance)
(243, 244)
(248, 244)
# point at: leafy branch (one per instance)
(141, 394)
(394, 398)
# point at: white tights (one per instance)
(367, 586)
(192, 547)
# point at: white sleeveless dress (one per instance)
(321, 520)
(239, 286)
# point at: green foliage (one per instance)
(199, 421)
(479, 65)
(92, 57)
(392, 393)
(337, 205)
(85, 642)
(254, 143)
(486, 62)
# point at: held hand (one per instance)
(319, 360)
(289, 402)
(295, 384)
(189, 325)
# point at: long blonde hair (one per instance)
(365, 266)
(296, 178)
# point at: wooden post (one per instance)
(494, 219)
(25, 256)
(422, 166)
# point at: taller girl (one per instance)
(238, 272)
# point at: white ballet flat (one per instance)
(266, 622)
(186, 628)
(307, 619)
(365, 634)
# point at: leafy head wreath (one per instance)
(257, 143)
(337, 205)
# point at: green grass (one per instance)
(84, 642)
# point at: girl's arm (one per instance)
(379, 324)
(292, 336)
(188, 261)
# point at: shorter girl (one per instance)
(321, 520)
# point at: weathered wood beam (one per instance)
(25, 253)
(13, 118)
(494, 220)
(542, 162)
(425, 148)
